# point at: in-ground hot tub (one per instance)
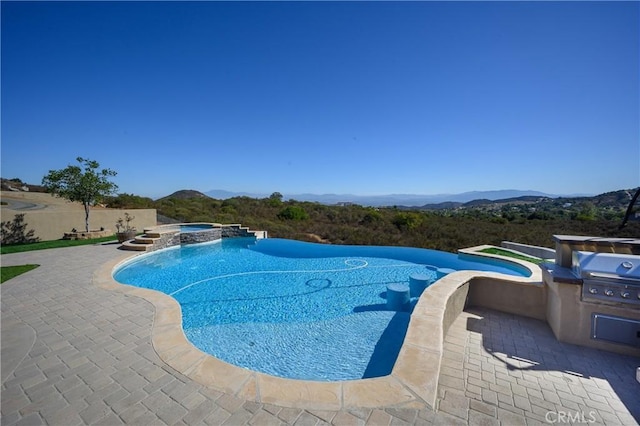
(196, 227)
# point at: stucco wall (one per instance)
(53, 225)
(541, 252)
(50, 217)
(520, 298)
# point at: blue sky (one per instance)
(325, 97)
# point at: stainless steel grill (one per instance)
(610, 278)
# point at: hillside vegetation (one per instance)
(525, 220)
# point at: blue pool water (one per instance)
(195, 228)
(294, 309)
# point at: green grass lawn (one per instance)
(8, 272)
(507, 253)
(19, 248)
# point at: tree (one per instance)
(84, 183)
(275, 199)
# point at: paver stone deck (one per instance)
(74, 353)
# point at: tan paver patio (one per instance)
(75, 353)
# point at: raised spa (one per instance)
(196, 227)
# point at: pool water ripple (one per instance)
(327, 350)
(348, 262)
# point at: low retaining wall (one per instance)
(526, 299)
(82, 235)
(541, 252)
(442, 302)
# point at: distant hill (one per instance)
(527, 199)
(615, 199)
(502, 194)
(481, 202)
(478, 202)
(185, 194)
(621, 197)
(473, 199)
(441, 206)
(221, 194)
(407, 200)
(18, 185)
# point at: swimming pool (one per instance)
(293, 309)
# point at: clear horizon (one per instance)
(365, 98)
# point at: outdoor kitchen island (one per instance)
(593, 293)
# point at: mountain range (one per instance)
(393, 199)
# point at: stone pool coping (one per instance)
(412, 383)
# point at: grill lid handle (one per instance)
(596, 275)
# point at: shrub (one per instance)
(407, 220)
(15, 231)
(293, 213)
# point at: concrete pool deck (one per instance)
(75, 352)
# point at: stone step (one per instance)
(145, 239)
(135, 246)
(152, 234)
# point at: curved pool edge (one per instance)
(413, 382)
(476, 252)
